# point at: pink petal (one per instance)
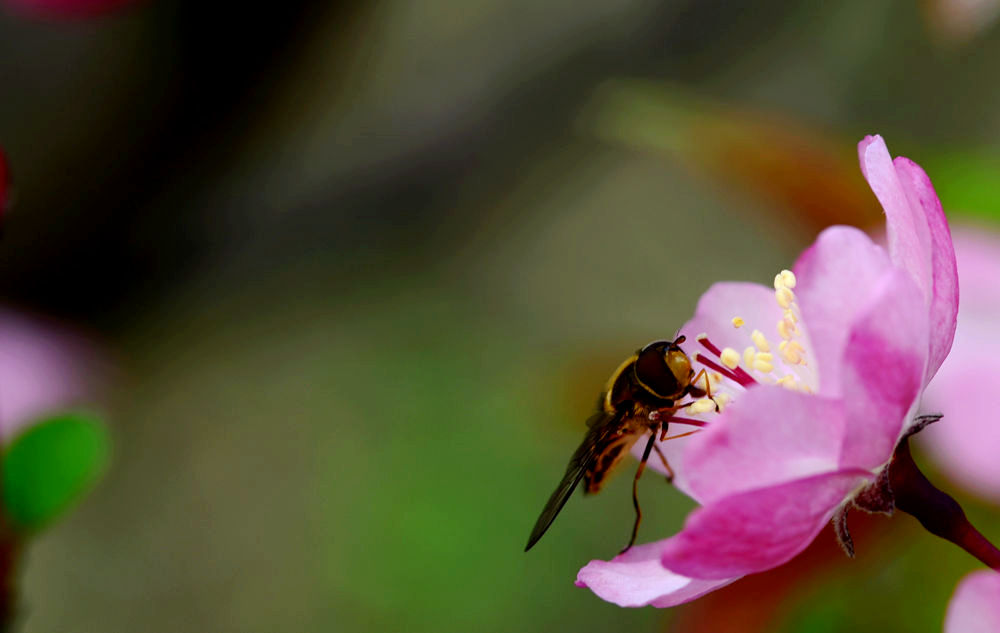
(906, 227)
(966, 442)
(975, 606)
(637, 579)
(752, 302)
(42, 369)
(755, 531)
(883, 370)
(835, 279)
(944, 271)
(673, 451)
(918, 235)
(770, 436)
(756, 305)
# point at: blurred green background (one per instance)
(363, 268)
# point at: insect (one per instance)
(641, 396)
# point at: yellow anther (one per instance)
(730, 357)
(785, 329)
(704, 405)
(760, 341)
(788, 381)
(785, 297)
(748, 356)
(791, 356)
(793, 353)
(738, 322)
(763, 366)
(790, 315)
(767, 357)
(716, 377)
(722, 400)
(787, 278)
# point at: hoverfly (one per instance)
(641, 396)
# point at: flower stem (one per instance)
(9, 555)
(937, 511)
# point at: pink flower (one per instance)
(975, 607)
(967, 388)
(43, 368)
(811, 421)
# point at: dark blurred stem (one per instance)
(937, 511)
(10, 554)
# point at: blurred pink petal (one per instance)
(975, 606)
(67, 8)
(817, 380)
(967, 387)
(42, 369)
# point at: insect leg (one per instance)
(677, 437)
(708, 386)
(635, 487)
(663, 459)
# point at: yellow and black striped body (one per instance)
(628, 402)
(608, 454)
(652, 379)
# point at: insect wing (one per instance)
(601, 424)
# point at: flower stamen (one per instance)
(687, 421)
(736, 373)
(760, 341)
(702, 405)
(730, 358)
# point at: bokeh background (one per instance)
(361, 269)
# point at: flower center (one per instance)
(728, 371)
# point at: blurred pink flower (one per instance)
(806, 424)
(43, 368)
(975, 606)
(66, 8)
(966, 445)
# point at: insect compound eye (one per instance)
(654, 373)
(680, 365)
